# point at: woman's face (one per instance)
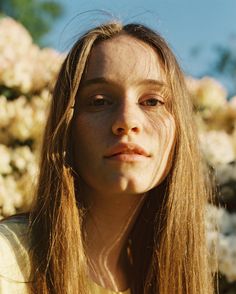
(123, 133)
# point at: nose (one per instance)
(127, 121)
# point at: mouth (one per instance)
(127, 152)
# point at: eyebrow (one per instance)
(106, 81)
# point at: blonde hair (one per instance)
(170, 229)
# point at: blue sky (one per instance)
(186, 24)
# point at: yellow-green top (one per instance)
(15, 265)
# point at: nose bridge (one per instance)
(127, 117)
(126, 109)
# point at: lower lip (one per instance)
(127, 157)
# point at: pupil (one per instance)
(152, 102)
(99, 102)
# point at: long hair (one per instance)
(170, 229)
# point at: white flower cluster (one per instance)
(23, 119)
(221, 237)
(208, 94)
(216, 119)
(217, 147)
(18, 171)
(27, 74)
(23, 65)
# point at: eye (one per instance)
(152, 102)
(99, 100)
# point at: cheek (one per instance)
(86, 129)
(89, 134)
(83, 135)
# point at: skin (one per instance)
(122, 99)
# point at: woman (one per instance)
(121, 195)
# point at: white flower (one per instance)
(22, 124)
(46, 68)
(22, 157)
(227, 256)
(217, 147)
(23, 65)
(23, 118)
(208, 94)
(10, 198)
(222, 240)
(6, 111)
(40, 109)
(5, 160)
(15, 57)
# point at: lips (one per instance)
(126, 148)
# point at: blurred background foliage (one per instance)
(36, 15)
(223, 65)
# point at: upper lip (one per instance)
(126, 148)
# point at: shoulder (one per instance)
(14, 233)
(15, 266)
(14, 224)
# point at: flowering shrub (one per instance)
(216, 120)
(27, 75)
(23, 65)
(221, 227)
(208, 95)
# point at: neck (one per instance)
(107, 226)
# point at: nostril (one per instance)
(135, 129)
(120, 130)
(123, 127)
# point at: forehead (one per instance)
(124, 59)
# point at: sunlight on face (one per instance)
(123, 133)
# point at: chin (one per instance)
(129, 186)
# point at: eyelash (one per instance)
(103, 98)
(153, 99)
